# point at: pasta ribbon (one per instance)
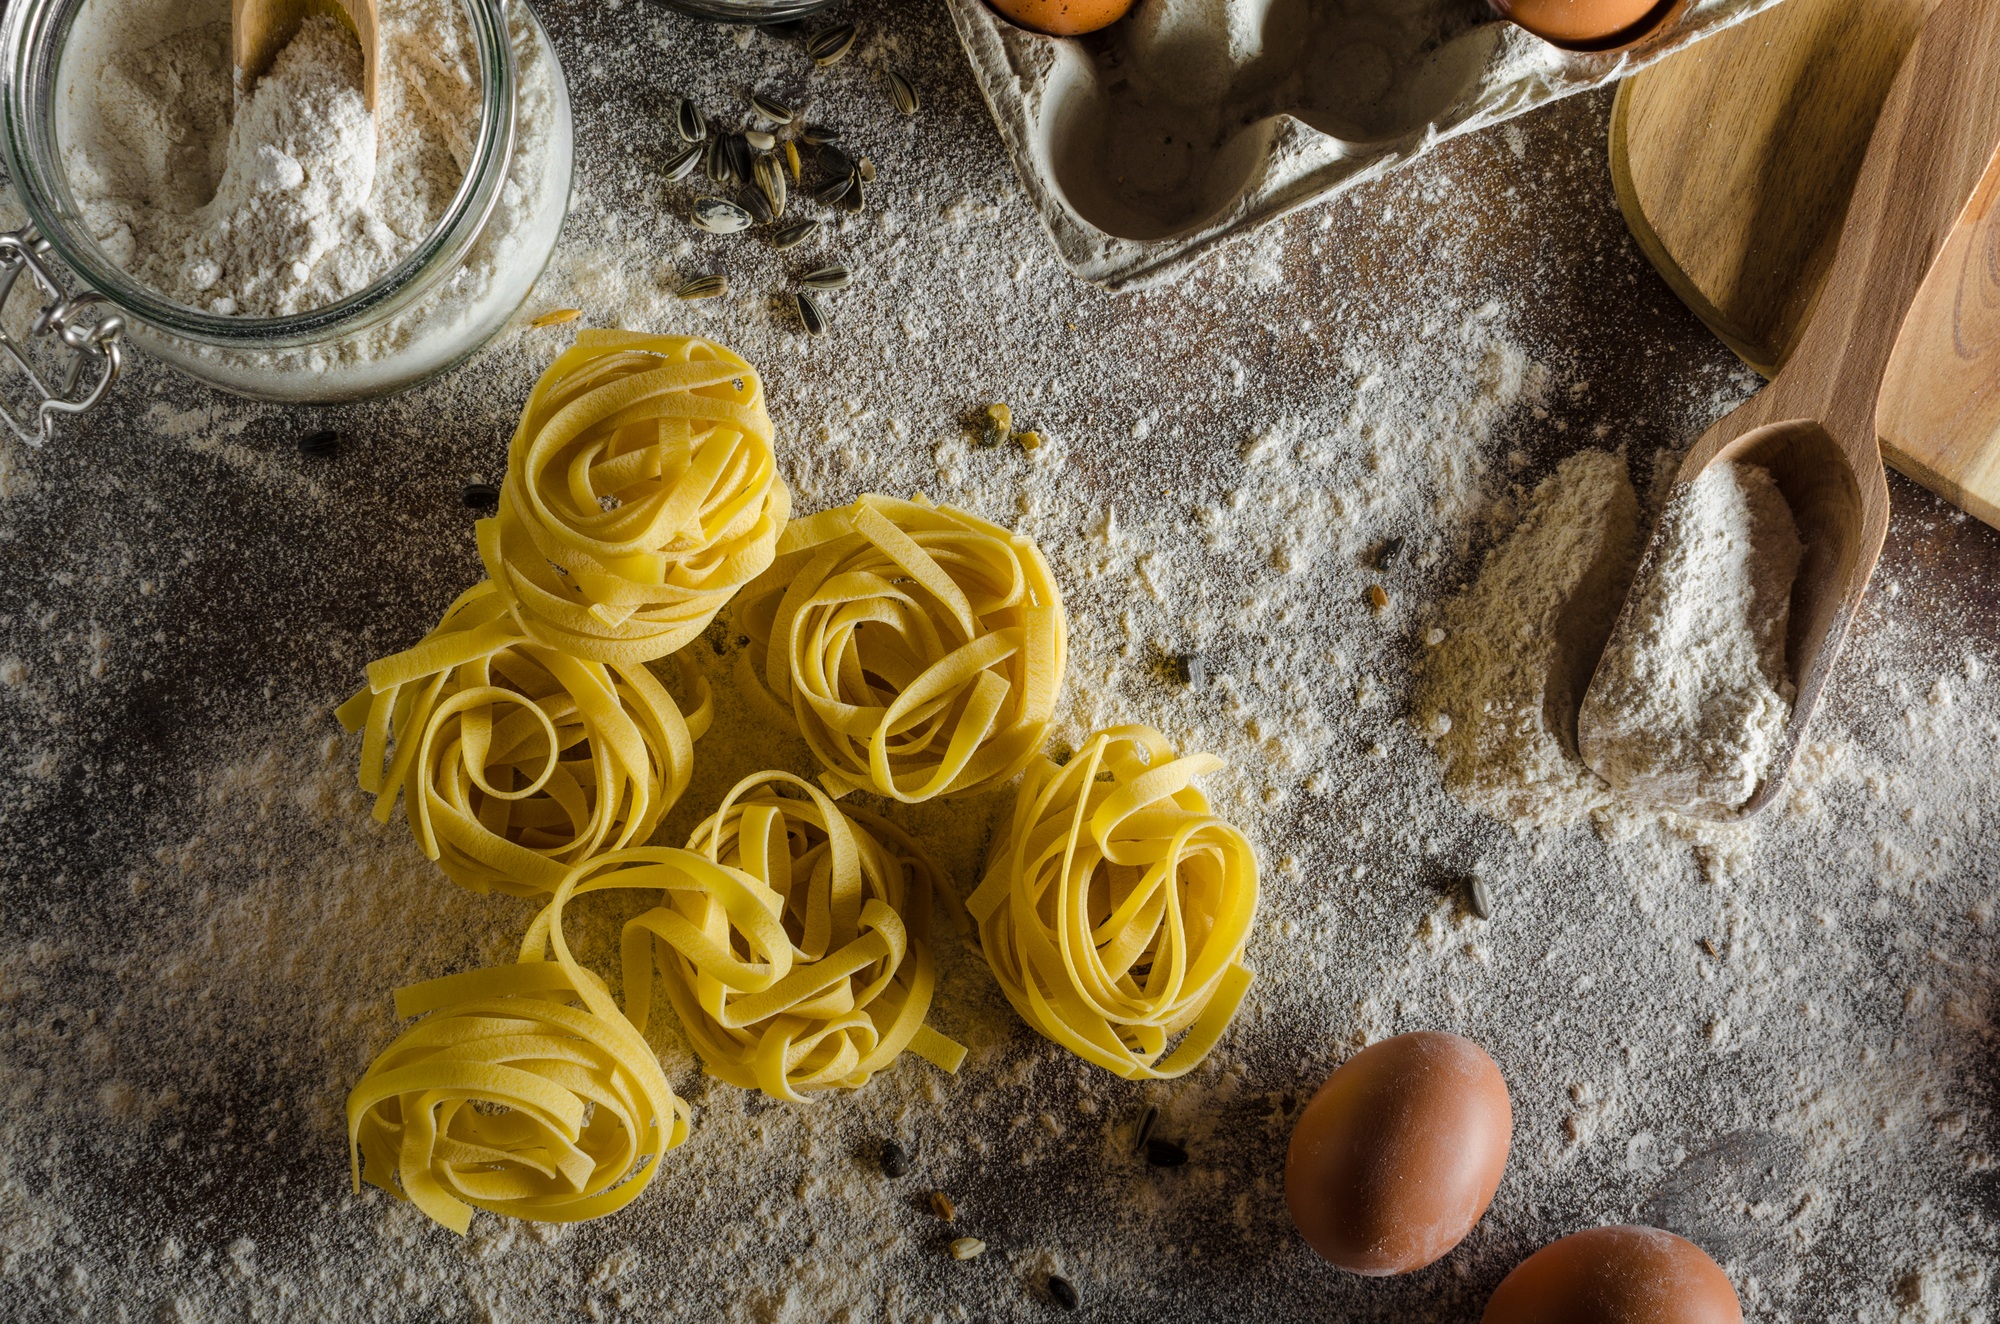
(641, 493)
(510, 1098)
(1115, 908)
(515, 760)
(919, 648)
(798, 957)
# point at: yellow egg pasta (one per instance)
(515, 760)
(641, 493)
(508, 1097)
(799, 960)
(919, 649)
(1116, 905)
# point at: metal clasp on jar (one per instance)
(94, 343)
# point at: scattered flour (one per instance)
(295, 198)
(1693, 696)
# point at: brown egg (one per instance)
(1063, 18)
(1616, 1275)
(1399, 1153)
(1590, 25)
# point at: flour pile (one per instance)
(293, 197)
(1692, 698)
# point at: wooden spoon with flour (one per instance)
(1814, 427)
(259, 29)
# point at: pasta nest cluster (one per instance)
(517, 760)
(1116, 906)
(509, 1097)
(641, 493)
(918, 648)
(798, 959)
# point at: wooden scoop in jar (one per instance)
(1814, 426)
(259, 29)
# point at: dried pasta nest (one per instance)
(509, 1097)
(515, 760)
(641, 493)
(798, 958)
(1116, 905)
(918, 648)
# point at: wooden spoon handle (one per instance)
(1940, 405)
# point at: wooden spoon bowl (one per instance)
(259, 29)
(1814, 427)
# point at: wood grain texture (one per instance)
(1813, 427)
(259, 29)
(1940, 403)
(1733, 160)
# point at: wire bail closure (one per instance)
(90, 340)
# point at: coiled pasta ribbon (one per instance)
(641, 493)
(1115, 908)
(515, 760)
(798, 960)
(920, 649)
(507, 1097)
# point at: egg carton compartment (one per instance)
(1190, 121)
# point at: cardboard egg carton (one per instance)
(1190, 121)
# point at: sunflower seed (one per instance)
(479, 495)
(771, 109)
(811, 314)
(759, 206)
(691, 122)
(827, 47)
(1165, 1154)
(1389, 553)
(816, 134)
(712, 286)
(715, 161)
(794, 234)
(1145, 1131)
(1192, 670)
(324, 442)
(682, 163)
(1478, 899)
(904, 95)
(895, 1159)
(1063, 1292)
(833, 161)
(720, 216)
(866, 169)
(770, 177)
(967, 1248)
(760, 140)
(738, 149)
(852, 200)
(792, 160)
(835, 191)
(831, 277)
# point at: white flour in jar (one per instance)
(292, 197)
(1692, 697)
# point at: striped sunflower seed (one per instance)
(770, 179)
(835, 161)
(738, 149)
(712, 286)
(756, 204)
(715, 161)
(691, 122)
(812, 314)
(815, 134)
(771, 108)
(834, 192)
(830, 46)
(720, 216)
(904, 95)
(683, 162)
(833, 276)
(791, 236)
(760, 140)
(853, 200)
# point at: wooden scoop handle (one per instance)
(259, 29)
(1940, 405)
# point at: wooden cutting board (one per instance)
(1733, 160)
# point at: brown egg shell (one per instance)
(1616, 1275)
(1062, 18)
(1591, 25)
(1400, 1152)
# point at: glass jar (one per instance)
(438, 305)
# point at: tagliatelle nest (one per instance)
(509, 1098)
(919, 649)
(641, 493)
(516, 761)
(1116, 905)
(799, 959)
